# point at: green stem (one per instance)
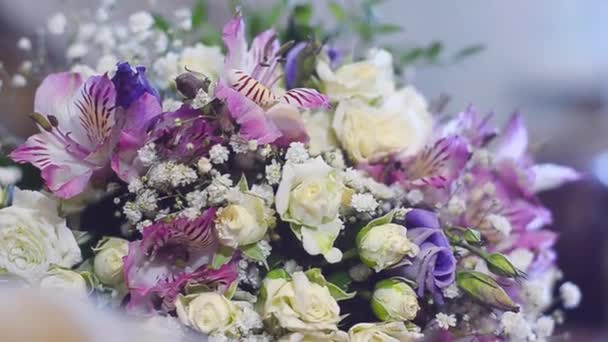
(478, 251)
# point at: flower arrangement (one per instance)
(274, 190)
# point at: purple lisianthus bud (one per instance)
(433, 268)
(291, 64)
(189, 84)
(130, 84)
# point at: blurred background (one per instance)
(546, 58)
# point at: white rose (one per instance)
(207, 60)
(316, 336)
(242, 224)
(368, 79)
(65, 281)
(322, 136)
(382, 332)
(384, 245)
(394, 300)
(108, 262)
(33, 237)
(401, 123)
(207, 312)
(299, 304)
(309, 196)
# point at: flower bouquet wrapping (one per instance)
(274, 188)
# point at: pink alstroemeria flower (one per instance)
(81, 124)
(264, 112)
(77, 122)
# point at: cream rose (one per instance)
(299, 304)
(33, 237)
(316, 336)
(322, 136)
(309, 196)
(382, 332)
(207, 312)
(367, 79)
(384, 245)
(242, 224)
(394, 300)
(207, 60)
(401, 123)
(65, 281)
(108, 262)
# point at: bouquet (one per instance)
(269, 189)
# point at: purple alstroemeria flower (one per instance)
(80, 131)
(131, 84)
(193, 138)
(476, 129)
(248, 87)
(171, 255)
(433, 268)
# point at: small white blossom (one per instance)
(500, 223)
(273, 172)
(252, 145)
(238, 144)
(184, 16)
(218, 189)
(354, 179)
(451, 291)
(297, 153)
(56, 23)
(24, 44)
(445, 321)
(400, 213)
(415, 196)
(18, 81)
(570, 294)
(197, 199)
(107, 63)
(265, 248)
(291, 266)
(142, 225)
(10, 175)
(521, 258)
(26, 66)
(182, 175)
(544, 327)
(360, 272)
(218, 154)
(191, 213)
(203, 165)
(76, 50)
(146, 200)
(201, 99)
(515, 326)
(147, 154)
(140, 22)
(364, 203)
(135, 185)
(265, 151)
(131, 212)
(335, 159)
(456, 206)
(171, 105)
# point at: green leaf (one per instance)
(388, 28)
(315, 276)
(341, 279)
(254, 252)
(433, 51)
(221, 257)
(82, 237)
(276, 12)
(279, 273)
(337, 11)
(161, 23)
(467, 52)
(302, 14)
(242, 184)
(198, 13)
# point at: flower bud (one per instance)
(502, 266)
(472, 236)
(485, 289)
(63, 280)
(189, 84)
(384, 245)
(394, 300)
(108, 262)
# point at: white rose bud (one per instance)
(384, 245)
(382, 332)
(66, 281)
(207, 312)
(108, 262)
(394, 300)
